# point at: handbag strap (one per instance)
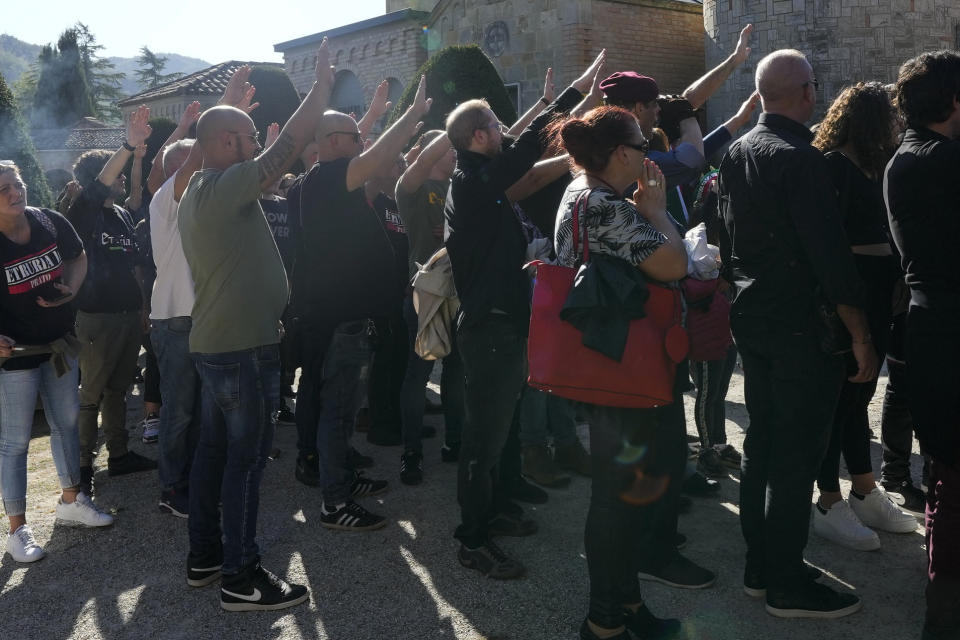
(584, 242)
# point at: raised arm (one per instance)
(135, 199)
(378, 107)
(706, 85)
(137, 132)
(391, 142)
(419, 170)
(542, 174)
(743, 114)
(157, 175)
(549, 95)
(299, 129)
(595, 96)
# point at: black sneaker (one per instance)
(203, 569)
(709, 463)
(364, 486)
(681, 573)
(351, 517)
(729, 456)
(755, 586)
(356, 460)
(811, 600)
(285, 417)
(508, 525)
(700, 486)
(256, 589)
(906, 496)
(586, 633)
(411, 468)
(130, 462)
(307, 471)
(491, 561)
(450, 452)
(520, 489)
(647, 626)
(174, 502)
(86, 481)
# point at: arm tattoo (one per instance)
(276, 159)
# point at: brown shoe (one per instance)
(539, 467)
(573, 457)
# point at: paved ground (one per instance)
(403, 581)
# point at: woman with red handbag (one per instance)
(632, 463)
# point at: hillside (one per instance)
(16, 56)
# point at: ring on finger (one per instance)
(652, 183)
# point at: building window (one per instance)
(513, 90)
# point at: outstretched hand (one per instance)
(137, 128)
(584, 82)
(190, 115)
(273, 132)
(380, 105)
(324, 73)
(549, 91)
(742, 52)
(746, 110)
(421, 103)
(239, 92)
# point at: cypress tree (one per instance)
(16, 145)
(63, 95)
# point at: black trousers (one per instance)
(386, 374)
(791, 390)
(494, 364)
(638, 457)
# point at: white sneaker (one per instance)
(878, 511)
(82, 513)
(23, 546)
(151, 428)
(840, 524)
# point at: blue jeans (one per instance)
(346, 365)
(180, 390)
(415, 383)
(542, 413)
(239, 392)
(18, 399)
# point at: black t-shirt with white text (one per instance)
(112, 253)
(284, 229)
(386, 208)
(30, 271)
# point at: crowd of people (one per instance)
(387, 254)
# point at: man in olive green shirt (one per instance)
(241, 291)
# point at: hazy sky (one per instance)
(212, 30)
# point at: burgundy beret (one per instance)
(630, 86)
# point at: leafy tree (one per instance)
(16, 145)
(63, 95)
(151, 69)
(277, 97)
(104, 81)
(454, 75)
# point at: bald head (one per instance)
(785, 82)
(219, 119)
(337, 136)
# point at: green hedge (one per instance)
(16, 145)
(454, 75)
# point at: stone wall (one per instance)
(662, 38)
(845, 40)
(394, 50)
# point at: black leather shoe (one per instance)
(307, 471)
(129, 462)
(700, 486)
(646, 626)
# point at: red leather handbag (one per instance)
(561, 365)
(708, 319)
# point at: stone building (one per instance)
(662, 38)
(168, 100)
(845, 40)
(58, 149)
